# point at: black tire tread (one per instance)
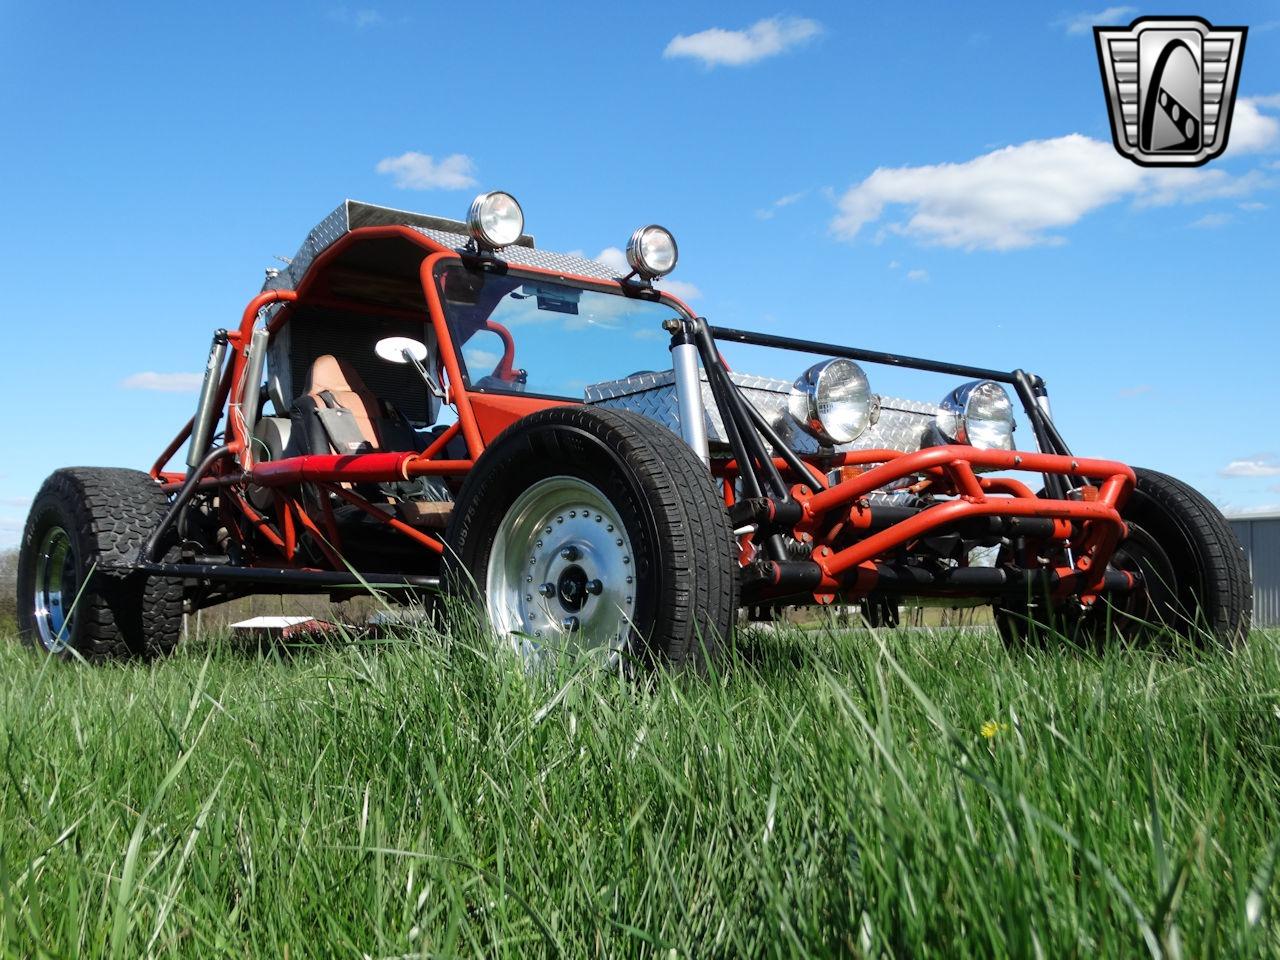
(109, 512)
(1212, 571)
(1226, 603)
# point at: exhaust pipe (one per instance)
(202, 424)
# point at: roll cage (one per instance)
(778, 498)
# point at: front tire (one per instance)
(74, 597)
(1195, 577)
(584, 527)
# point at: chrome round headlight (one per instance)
(979, 414)
(652, 251)
(832, 401)
(495, 220)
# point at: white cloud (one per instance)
(615, 260)
(1212, 221)
(359, 18)
(418, 171)
(163, 382)
(1263, 465)
(1253, 206)
(1079, 23)
(1266, 509)
(19, 502)
(737, 48)
(917, 276)
(1168, 186)
(1251, 129)
(1137, 391)
(478, 359)
(1017, 196)
(679, 288)
(770, 211)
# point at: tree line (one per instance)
(8, 588)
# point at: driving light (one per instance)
(652, 252)
(832, 401)
(979, 414)
(495, 220)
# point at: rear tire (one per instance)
(1195, 575)
(73, 598)
(640, 551)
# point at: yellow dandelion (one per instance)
(991, 728)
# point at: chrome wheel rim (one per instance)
(561, 573)
(56, 586)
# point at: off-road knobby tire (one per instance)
(685, 557)
(108, 514)
(1206, 598)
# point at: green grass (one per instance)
(829, 794)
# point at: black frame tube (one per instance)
(852, 353)
(1027, 387)
(189, 488)
(744, 420)
(1046, 433)
(787, 454)
(737, 425)
(777, 582)
(284, 577)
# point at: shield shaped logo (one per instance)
(1171, 86)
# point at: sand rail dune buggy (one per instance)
(418, 403)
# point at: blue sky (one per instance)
(927, 179)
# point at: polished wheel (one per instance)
(56, 584)
(561, 574)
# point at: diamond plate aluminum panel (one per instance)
(528, 256)
(451, 234)
(902, 424)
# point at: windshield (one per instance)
(519, 335)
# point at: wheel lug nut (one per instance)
(594, 587)
(569, 553)
(570, 623)
(547, 589)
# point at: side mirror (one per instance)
(401, 349)
(408, 350)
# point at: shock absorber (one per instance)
(206, 412)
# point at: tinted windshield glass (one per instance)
(532, 336)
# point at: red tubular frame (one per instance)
(1094, 522)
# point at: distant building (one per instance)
(1260, 537)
